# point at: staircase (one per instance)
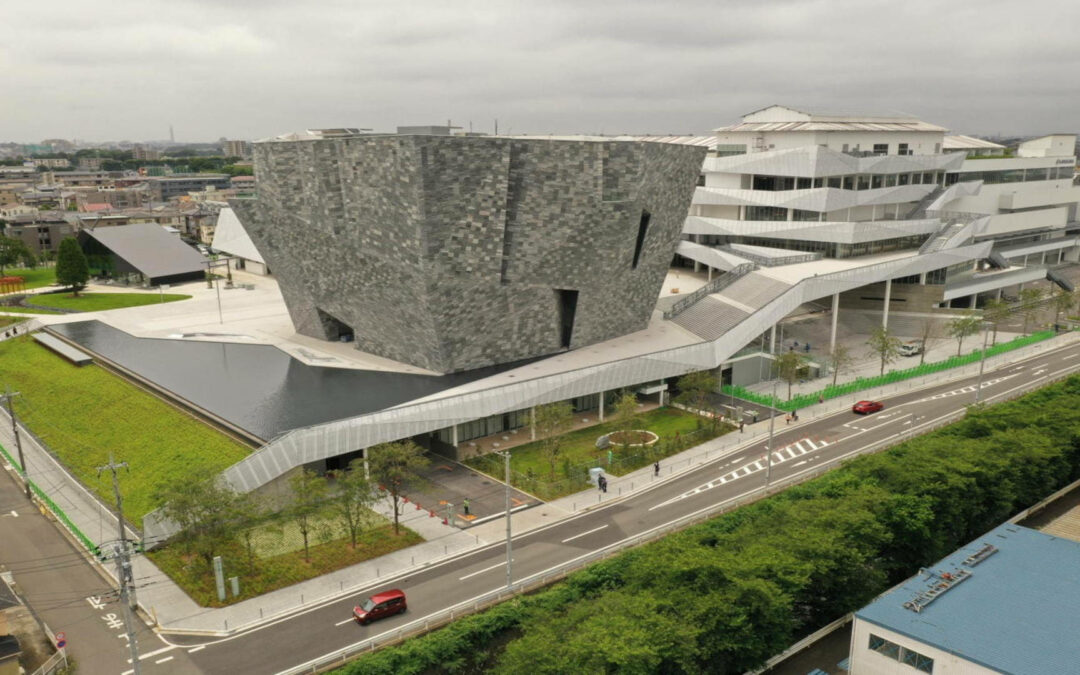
(1059, 279)
(997, 260)
(920, 209)
(937, 242)
(718, 283)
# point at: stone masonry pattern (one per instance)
(449, 253)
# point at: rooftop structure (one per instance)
(145, 249)
(454, 253)
(1005, 603)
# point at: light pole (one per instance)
(772, 422)
(509, 551)
(210, 265)
(982, 362)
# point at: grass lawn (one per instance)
(25, 310)
(35, 278)
(676, 428)
(266, 574)
(8, 320)
(84, 414)
(96, 302)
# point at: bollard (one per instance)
(413, 561)
(226, 625)
(431, 513)
(341, 585)
(417, 506)
(260, 613)
(444, 549)
(301, 598)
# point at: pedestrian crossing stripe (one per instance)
(793, 451)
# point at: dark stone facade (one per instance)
(452, 253)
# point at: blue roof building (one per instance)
(1008, 602)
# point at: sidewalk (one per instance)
(174, 611)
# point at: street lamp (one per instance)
(772, 422)
(509, 551)
(211, 264)
(982, 362)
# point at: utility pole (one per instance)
(18, 442)
(982, 363)
(123, 564)
(509, 546)
(772, 422)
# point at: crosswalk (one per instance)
(787, 453)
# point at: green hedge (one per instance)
(725, 595)
(804, 400)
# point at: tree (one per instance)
(309, 494)
(12, 250)
(72, 269)
(626, 407)
(250, 508)
(789, 367)
(395, 466)
(995, 311)
(695, 390)
(884, 345)
(928, 334)
(354, 498)
(1063, 301)
(552, 421)
(963, 326)
(842, 359)
(206, 510)
(1029, 304)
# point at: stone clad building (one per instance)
(453, 253)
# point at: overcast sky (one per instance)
(127, 69)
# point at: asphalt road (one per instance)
(70, 596)
(798, 448)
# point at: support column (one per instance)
(885, 312)
(662, 392)
(710, 273)
(999, 294)
(601, 406)
(835, 315)
(922, 279)
(454, 435)
(974, 300)
(532, 423)
(772, 339)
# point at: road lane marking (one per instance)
(167, 658)
(486, 569)
(148, 655)
(202, 647)
(595, 529)
(339, 623)
(1071, 356)
(800, 463)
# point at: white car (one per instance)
(912, 348)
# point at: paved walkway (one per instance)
(160, 598)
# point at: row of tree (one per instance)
(211, 515)
(724, 596)
(885, 346)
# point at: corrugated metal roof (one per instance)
(703, 141)
(1016, 613)
(149, 248)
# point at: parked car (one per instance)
(867, 407)
(380, 606)
(911, 348)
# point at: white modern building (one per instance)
(880, 213)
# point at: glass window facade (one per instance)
(1012, 175)
(904, 655)
(766, 213)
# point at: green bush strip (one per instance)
(97, 302)
(829, 392)
(725, 595)
(57, 511)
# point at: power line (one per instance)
(123, 563)
(18, 442)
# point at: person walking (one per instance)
(656, 468)
(741, 425)
(466, 505)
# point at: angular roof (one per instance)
(149, 248)
(784, 118)
(231, 237)
(1012, 609)
(960, 142)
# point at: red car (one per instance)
(380, 606)
(867, 407)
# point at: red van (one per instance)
(380, 606)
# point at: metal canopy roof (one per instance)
(149, 248)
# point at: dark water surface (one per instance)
(260, 388)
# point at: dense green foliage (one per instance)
(891, 377)
(725, 595)
(84, 414)
(98, 302)
(72, 270)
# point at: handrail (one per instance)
(766, 261)
(719, 283)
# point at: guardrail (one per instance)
(718, 284)
(766, 261)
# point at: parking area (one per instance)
(448, 484)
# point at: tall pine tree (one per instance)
(72, 269)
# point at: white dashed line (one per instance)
(576, 536)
